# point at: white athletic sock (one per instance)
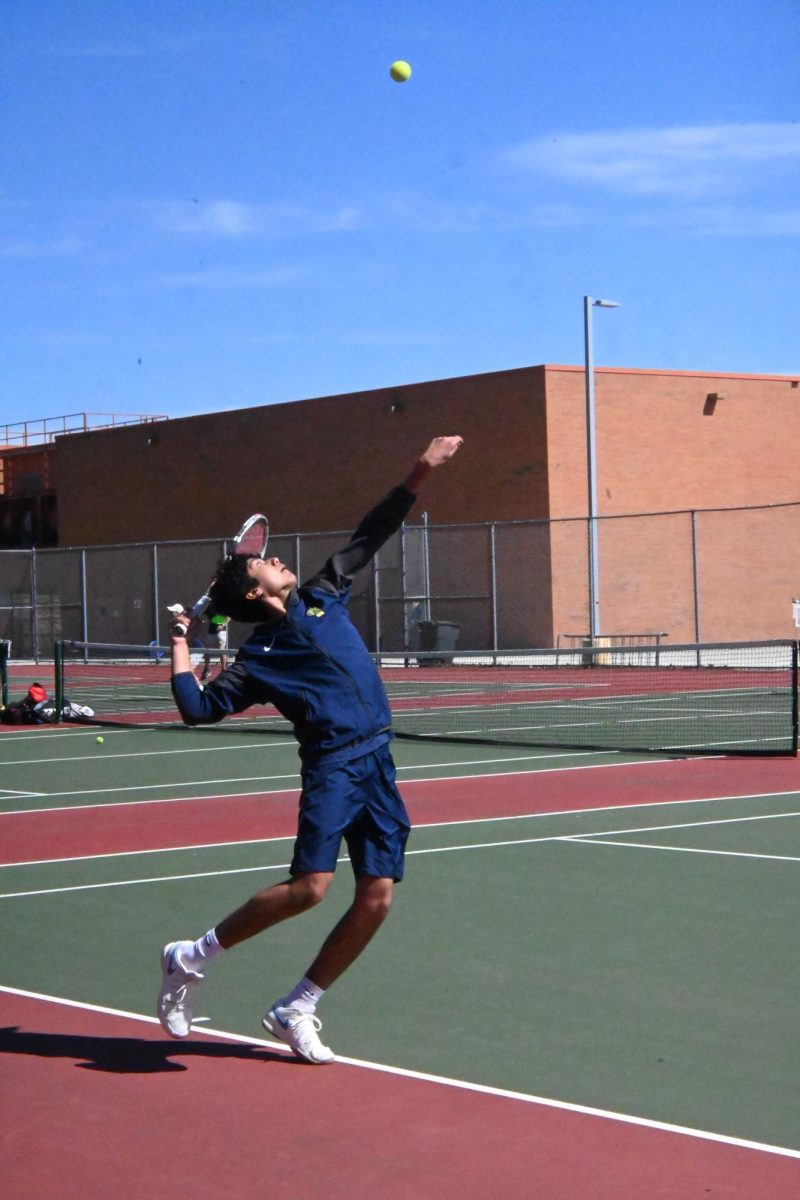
(204, 950)
(305, 995)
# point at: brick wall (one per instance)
(663, 445)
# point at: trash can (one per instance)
(589, 655)
(437, 635)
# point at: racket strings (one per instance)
(252, 542)
(251, 545)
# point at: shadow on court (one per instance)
(130, 1056)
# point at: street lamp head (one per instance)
(605, 304)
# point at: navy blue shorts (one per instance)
(358, 801)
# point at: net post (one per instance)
(794, 698)
(58, 670)
(4, 673)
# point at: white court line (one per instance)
(17, 812)
(47, 862)
(562, 837)
(153, 787)
(441, 1080)
(12, 794)
(563, 812)
(56, 731)
(692, 824)
(93, 887)
(595, 841)
(643, 762)
(101, 756)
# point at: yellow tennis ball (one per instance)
(400, 71)
(100, 740)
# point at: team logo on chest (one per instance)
(315, 612)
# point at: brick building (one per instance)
(668, 443)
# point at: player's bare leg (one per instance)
(355, 930)
(272, 905)
(293, 1018)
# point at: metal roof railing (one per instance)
(47, 429)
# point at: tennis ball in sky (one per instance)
(400, 71)
(100, 740)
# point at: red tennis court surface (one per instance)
(151, 825)
(97, 1105)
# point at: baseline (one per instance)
(487, 1139)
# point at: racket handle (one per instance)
(197, 610)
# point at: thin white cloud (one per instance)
(226, 217)
(433, 215)
(64, 247)
(707, 221)
(688, 161)
(234, 219)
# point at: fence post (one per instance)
(58, 670)
(695, 593)
(376, 594)
(493, 570)
(156, 623)
(426, 568)
(34, 609)
(84, 601)
(404, 588)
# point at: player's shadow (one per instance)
(130, 1055)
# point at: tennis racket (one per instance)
(251, 541)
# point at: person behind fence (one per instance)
(306, 657)
(215, 639)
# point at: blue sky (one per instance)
(221, 203)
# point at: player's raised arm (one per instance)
(383, 520)
(440, 451)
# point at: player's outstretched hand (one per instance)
(441, 450)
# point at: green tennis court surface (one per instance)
(634, 959)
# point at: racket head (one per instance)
(252, 538)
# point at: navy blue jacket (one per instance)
(311, 663)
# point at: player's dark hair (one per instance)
(229, 591)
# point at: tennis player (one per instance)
(306, 657)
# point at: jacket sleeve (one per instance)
(230, 692)
(374, 529)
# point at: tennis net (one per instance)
(723, 698)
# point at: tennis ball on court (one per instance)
(400, 71)
(100, 740)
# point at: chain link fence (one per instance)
(697, 576)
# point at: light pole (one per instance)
(591, 461)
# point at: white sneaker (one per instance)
(174, 1002)
(76, 712)
(299, 1030)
